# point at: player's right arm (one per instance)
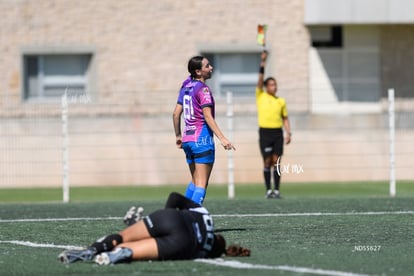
(178, 110)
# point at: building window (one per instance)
(326, 36)
(48, 76)
(234, 72)
(347, 75)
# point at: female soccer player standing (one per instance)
(272, 116)
(196, 101)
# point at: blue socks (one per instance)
(190, 190)
(198, 195)
(194, 193)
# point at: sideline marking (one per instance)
(59, 219)
(42, 245)
(320, 214)
(230, 215)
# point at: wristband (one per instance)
(261, 70)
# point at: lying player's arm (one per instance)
(178, 201)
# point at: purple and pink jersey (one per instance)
(194, 95)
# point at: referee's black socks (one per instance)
(276, 179)
(266, 174)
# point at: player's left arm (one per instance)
(211, 122)
(260, 81)
(177, 124)
(286, 124)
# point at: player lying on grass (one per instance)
(182, 230)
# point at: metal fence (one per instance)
(123, 143)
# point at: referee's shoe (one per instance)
(272, 194)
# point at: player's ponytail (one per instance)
(195, 63)
(237, 251)
(219, 249)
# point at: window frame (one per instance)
(231, 78)
(88, 81)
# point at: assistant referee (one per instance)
(273, 122)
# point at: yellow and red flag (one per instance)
(261, 34)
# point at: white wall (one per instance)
(358, 11)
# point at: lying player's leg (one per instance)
(135, 232)
(74, 255)
(126, 252)
(143, 250)
(106, 243)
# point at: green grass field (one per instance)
(316, 229)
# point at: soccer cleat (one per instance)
(269, 194)
(74, 255)
(128, 218)
(118, 255)
(276, 194)
(133, 215)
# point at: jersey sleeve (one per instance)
(185, 83)
(259, 91)
(180, 97)
(204, 97)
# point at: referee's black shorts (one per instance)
(271, 141)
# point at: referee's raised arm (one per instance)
(263, 58)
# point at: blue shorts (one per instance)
(201, 152)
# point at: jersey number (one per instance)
(188, 107)
(208, 222)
